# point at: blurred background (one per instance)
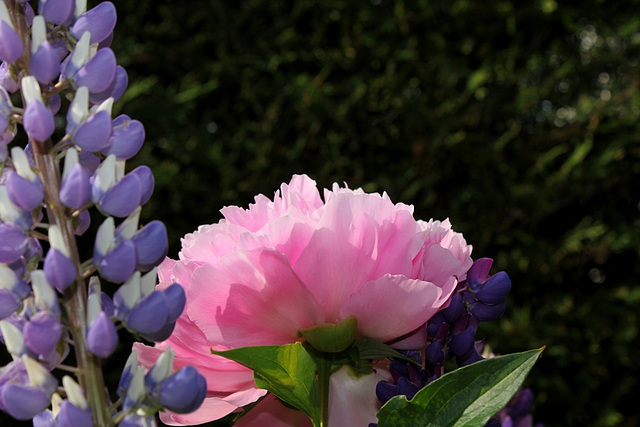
(518, 120)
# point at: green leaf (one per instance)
(287, 371)
(468, 396)
(372, 349)
(331, 337)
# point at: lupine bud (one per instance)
(184, 391)
(136, 390)
(120, 263)
(455, 310)
(147, 182)
(24, 398)
(495, 289)
(6, 79)
(24, 187)
(434, 353)
(90, 130)
(45, 61)
(161, 369)
(25, 194)
(42, 332)
(38, 119)
(115, 90)
(486, 312)
(479, 272)
(123, 198)
(149, 315)
(176, 300)
(10, 43)
(44, 295)
(102, 337)
(10, 281)
(13, 339)
(10, 213)
(58, 266)
(463, 341)
(98, 73)
(56, 11)
(127, 138)
(8, 304)
(152, 245)
(99, 22)
(130, 367)
(13, 243)
(75, 189)
(75, 411)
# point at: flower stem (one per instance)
(75, 297)
(324, 371)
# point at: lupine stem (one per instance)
(89, 367)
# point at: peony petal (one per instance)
(352, 397)
(254, 298)
(392, 306)
(368, 237)
(271, 412)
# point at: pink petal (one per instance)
(393, 305)
(270, 412)
(254, 298)
(360, 237)
(213, 408)
(352, 397)
(211, 242)
(439, 264)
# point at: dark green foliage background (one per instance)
(517, 120)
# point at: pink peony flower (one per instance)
(261, 274)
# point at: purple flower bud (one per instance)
(120, 263)
(495, 289)
(161, 334)
(385, 390)
(72, 416)
(59, 270)
(176, 300)
(150, 314)
(10, 43)
(75, 190)
(94, 133)
(434, 324)
(122, 198)
(38, 121)
(152, 245)
(8, 304)
(455, 310)
(44, 419)
(102, 337)
(479, 272)
(6, 80)
(99, 21)
(469, 357)
(45, 63)
(26, 194)
(115, 90)
(23, 401)
(184, 391)
(146, 180)
(98, 73)
(434, 353)
(127, 138)
(42, 332)
(56, 11)
(463, 341)
(54, 103)
(486, 312)
(13, 243)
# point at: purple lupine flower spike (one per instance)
(13, 243)
(126, 139)
(74, 411)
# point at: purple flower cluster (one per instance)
(451, 332)
(51, 300)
